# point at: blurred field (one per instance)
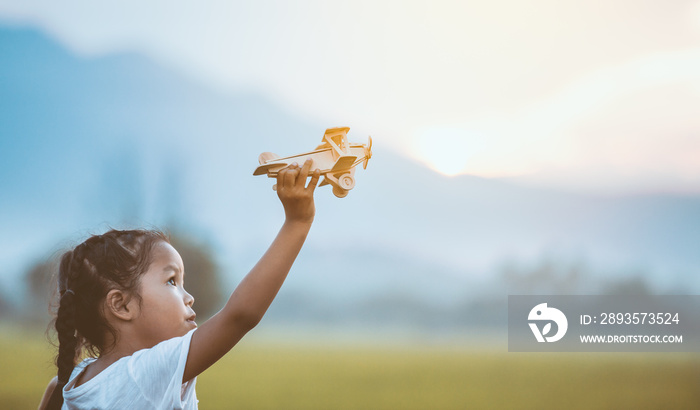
(259, 375)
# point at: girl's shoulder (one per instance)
(78, 371)
(79, 377)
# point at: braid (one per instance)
(65, 327)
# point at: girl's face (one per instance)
(166, 308)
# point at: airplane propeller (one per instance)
(368, 153)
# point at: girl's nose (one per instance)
(189, 299)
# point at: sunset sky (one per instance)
(600, 96)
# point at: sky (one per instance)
(594, 96)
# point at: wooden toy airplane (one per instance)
(336, 158)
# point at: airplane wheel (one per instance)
(346, 181)
(340, 192)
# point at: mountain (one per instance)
(122, 140)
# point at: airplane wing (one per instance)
(335, 138)
(335, 132)
(344, 163)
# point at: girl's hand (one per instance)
(297, 199)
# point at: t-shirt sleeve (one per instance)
(158, 372)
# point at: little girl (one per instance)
(123, 300)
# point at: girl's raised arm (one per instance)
(251, 299)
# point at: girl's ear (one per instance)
(119, 305)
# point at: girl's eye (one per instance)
(172, 281)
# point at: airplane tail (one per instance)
(266, 157)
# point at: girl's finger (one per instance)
(314, 180)
(301, 179)
(280, 178)
(290, 176)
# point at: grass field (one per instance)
(259, 375)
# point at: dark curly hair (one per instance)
(113, 260)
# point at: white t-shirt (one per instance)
(148, 379)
